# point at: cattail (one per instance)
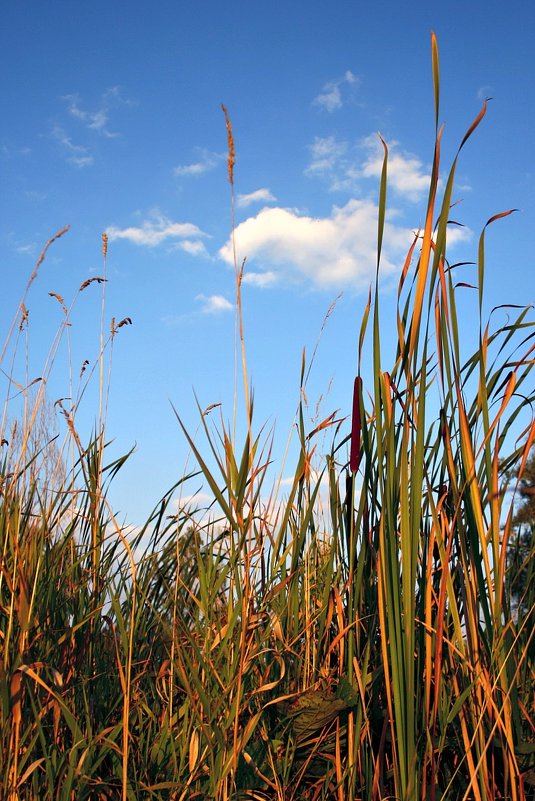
(355, 453)
(231, 152)
(104, 244)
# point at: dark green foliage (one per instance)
(521, 548)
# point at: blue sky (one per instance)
(112, 122)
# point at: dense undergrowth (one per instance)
(363, 646)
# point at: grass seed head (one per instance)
(231, 160)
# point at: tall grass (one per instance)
(362, 646)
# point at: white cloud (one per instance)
(458, 234)
(330, 97)
(78, 155)
(159, 229)
(213, 304)
(264, 279)
(259, 196)
(193, 247)
(335, 251)
(406, 173)
(344, 167)
(197, 168)
(207, 161)
(199, 498)
(197, 506)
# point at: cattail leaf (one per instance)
(382, 202)
(436, 75)
(474, 125)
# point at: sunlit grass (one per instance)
(363, 646)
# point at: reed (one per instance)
(284, 647)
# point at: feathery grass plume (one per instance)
(238, 272)
(90, 281)
(33, 276)
(231, 158)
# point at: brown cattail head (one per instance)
(355, 454)
(231, 160)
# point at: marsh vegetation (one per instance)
(355, 636)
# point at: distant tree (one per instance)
(521, 549)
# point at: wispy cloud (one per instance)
(330, 97)
(193, 246)
(262, 280)
(344, 167)
(21, 247)
(174, 320)
(35, 194)
(207, 161)
(285, 246)
(328, 157)
(159, 229)
(259, 196)
(214, 304)
(79, 155)
(206, 305)
(113, 96)
(98, 119)
(8, 151)
(199, 498)
(95, 121)
(25, 250)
